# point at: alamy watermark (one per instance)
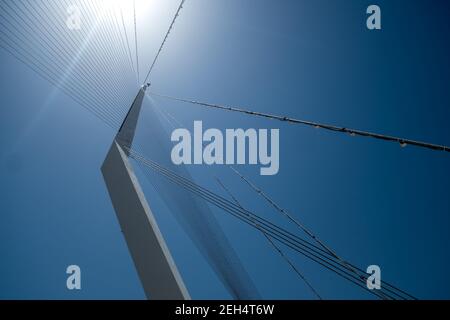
(374, 280)
(73, 281)
(73, 21)
(236, 146)
(374, 20)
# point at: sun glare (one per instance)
(127, 6)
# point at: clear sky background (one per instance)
(372, 201)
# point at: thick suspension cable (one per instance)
(353, 132)
(165, 39)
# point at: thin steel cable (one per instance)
(270, 228)
(115, 89)
(82, 65)
(128, 45)
(284, 212)
(136, 40)
(291, 218)
(49, 74)
(227, 206)
(273, 244)
(55, 74)
(100, 52)
(29, 40)
(115, 25)
(88, 77)
(86, 61)
(49, 63)
(119, 29)
(334, 266)
(169, 118)
(51, 80)
(110, 35)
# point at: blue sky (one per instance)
(372, 201)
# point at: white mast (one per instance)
(156, 268)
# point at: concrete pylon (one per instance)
(155, 266)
